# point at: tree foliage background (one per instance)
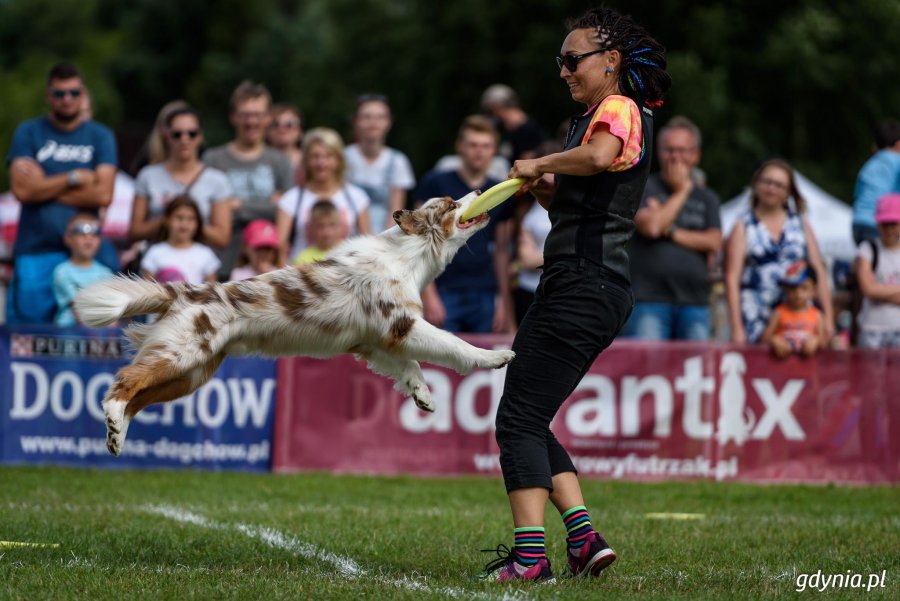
(802, 79)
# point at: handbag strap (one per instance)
(296, 217)
(190, 185)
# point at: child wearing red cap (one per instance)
(878, 273)
(796, 324)
(261, 252)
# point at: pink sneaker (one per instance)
(593, 557)
(505, 568)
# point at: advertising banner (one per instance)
(645, 411)
(52, 382)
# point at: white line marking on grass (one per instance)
(345, 565)
(270, 536)
(183, 515)
(274, 538)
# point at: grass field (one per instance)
(195, 535)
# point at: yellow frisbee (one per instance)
(492, 197)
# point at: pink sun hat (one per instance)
(260, 233)
(888, 209)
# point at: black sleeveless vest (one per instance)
(592, 216)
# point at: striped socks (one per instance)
(529, 545)
(529, 541)
(578, 526)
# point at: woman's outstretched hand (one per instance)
(527, 169)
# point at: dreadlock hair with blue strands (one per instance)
(642, 74)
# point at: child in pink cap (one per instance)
(878, 272)
(261, 252)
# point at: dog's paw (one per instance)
(113, 444)
(422, 396)
(116, 426)
(500, 358)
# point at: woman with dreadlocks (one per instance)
(592, 190)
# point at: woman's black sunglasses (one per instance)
(570, 61)
(190, 133)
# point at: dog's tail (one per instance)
(107, 301)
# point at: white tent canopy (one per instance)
(830, 219)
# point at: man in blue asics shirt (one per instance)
(59, 164)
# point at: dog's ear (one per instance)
(410, 222)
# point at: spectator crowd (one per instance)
(277, 194)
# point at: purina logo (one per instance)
(608, 408)
(21, 345)
(33, 345)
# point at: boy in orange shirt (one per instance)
(796, 325)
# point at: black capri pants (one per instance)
(578, 309)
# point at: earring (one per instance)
(608, 71)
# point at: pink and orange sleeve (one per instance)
(621, 115)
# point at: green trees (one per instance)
(802, 80)
(805, 80)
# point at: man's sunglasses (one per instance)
(177, 134)
(87, 229)
(570, 61)
(59, 94)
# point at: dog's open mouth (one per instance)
(473, 221)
